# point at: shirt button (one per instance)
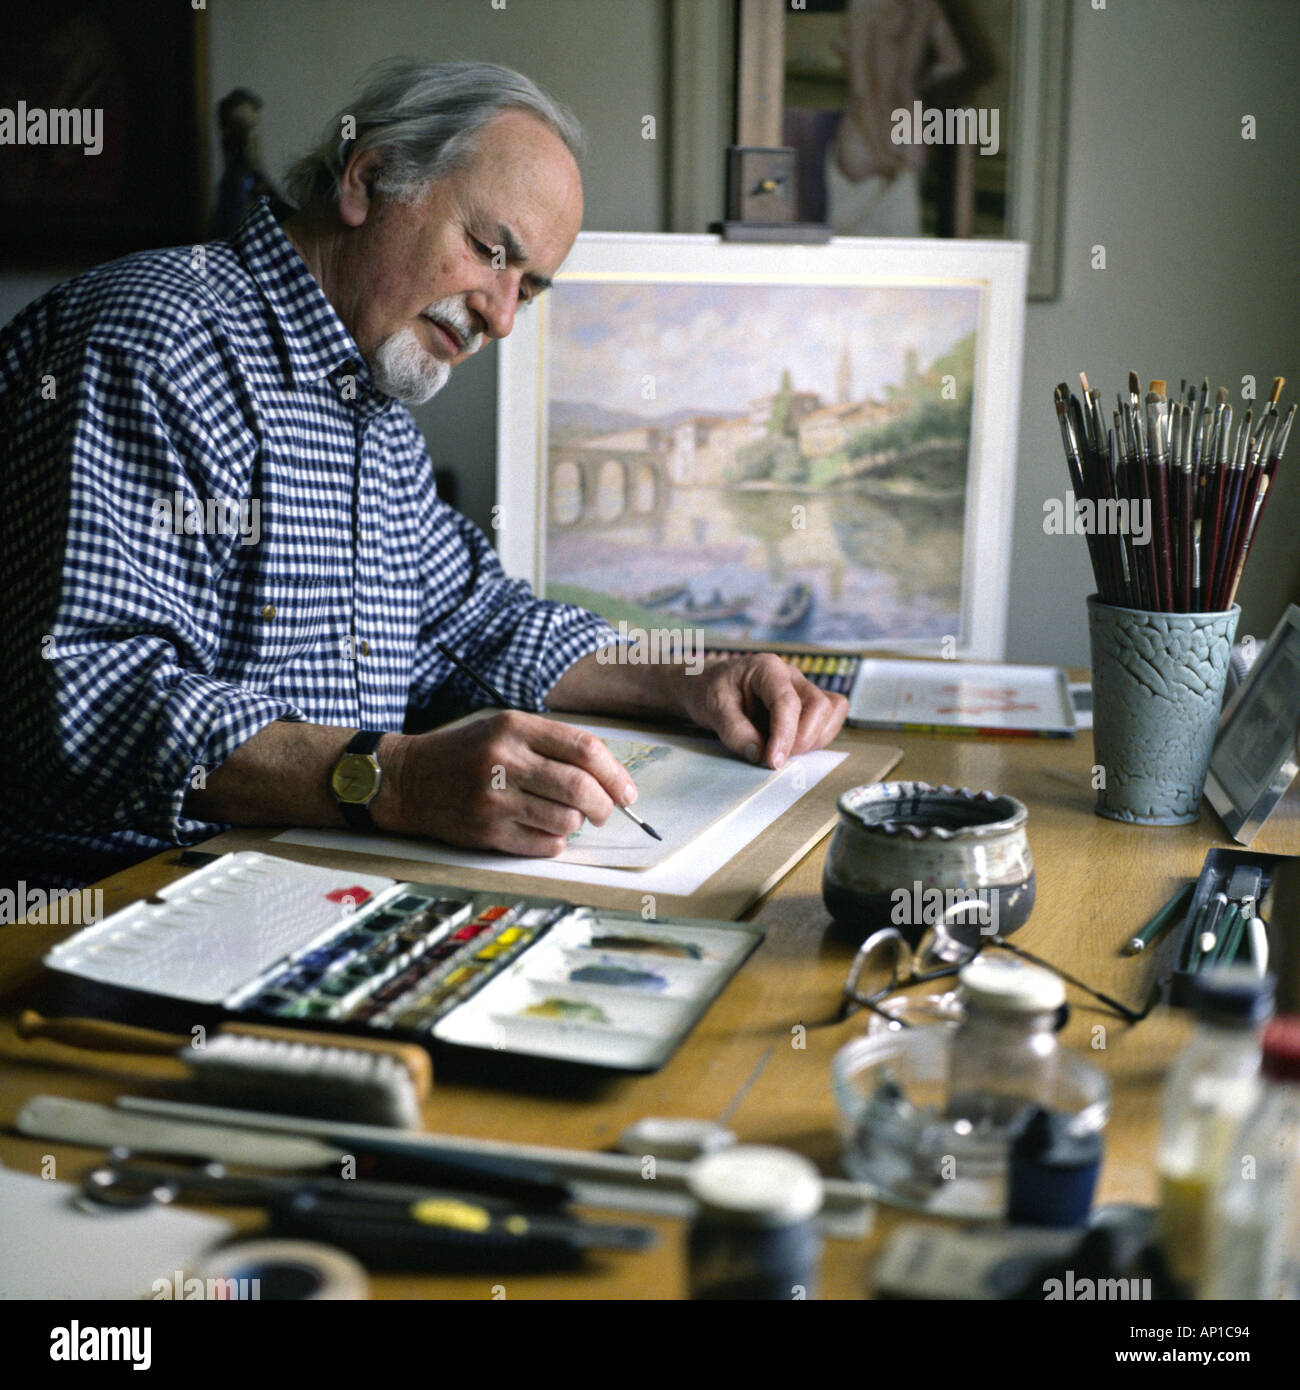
(268, 612)
(364, 648)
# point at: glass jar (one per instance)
(1003, 1056)
(1254, 1240)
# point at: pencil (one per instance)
(1206, 930)
(1230, 933)
(501, 700)
(1160, 923)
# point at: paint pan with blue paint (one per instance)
(620, 976)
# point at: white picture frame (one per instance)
(989, 275)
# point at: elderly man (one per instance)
(174, 672)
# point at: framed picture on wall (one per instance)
(770, 443)
(915, 117)
(101, 108)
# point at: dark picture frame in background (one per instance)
(769, 443)
(1257, 750)
(841, 68)
(122, 90)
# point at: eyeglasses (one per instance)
(886, 963)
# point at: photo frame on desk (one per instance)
(769, 442)
(727, 893)
(1257, 749)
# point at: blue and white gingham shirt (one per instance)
(137, 646)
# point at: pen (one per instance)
(501, 700)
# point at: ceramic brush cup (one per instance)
(1157, 687)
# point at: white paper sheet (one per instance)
(51, 1248)
(679, 875)
(684, 786)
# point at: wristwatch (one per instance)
(356, 780)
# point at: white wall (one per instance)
(1198, 224)
(1202, 267)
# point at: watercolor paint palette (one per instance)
(833, 671)
(275, 941)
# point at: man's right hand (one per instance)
(513, 781)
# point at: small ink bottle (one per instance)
(755, 1234)
(1004, 1053)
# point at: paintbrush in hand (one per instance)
(501, 700)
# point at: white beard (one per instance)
(404, 369)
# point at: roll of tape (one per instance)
(282, 1269)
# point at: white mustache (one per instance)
(452, 313)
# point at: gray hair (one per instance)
(427, 118)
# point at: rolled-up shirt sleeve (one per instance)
(116, 662)
(517, 642)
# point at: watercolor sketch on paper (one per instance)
(764, 462)
(681, 791)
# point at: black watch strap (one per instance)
(358, 816)
(364, 741)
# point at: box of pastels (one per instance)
(271, 940)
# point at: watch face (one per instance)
(356, 778)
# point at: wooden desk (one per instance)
(1097, 881)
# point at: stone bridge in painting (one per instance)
(605, 487)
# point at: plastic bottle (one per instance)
(1211, 1088)
(1254, 1245)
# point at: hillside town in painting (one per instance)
(828, 508)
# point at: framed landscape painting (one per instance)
(769, 444)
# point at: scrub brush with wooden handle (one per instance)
(288, 1070)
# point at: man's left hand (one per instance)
(762, 708)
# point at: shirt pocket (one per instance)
(286, 622)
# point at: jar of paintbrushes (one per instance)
(1170, 497)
